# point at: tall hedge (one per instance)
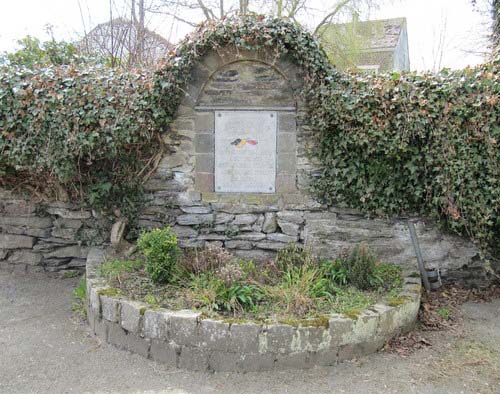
(426, 144)
(387, 144)
(87, 131)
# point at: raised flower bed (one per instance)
(243, 336)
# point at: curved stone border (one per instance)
(186, 340)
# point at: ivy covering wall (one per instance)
(386, 144)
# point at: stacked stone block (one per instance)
(38, 237)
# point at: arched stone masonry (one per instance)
(183, 194)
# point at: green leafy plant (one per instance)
(160, 248)
(335, 271)
(210, 291)
(444, 313)
(33, 53)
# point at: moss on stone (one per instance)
(396, 301)
(110, 292)
(353, 313)
(233, 320)
(321, 321)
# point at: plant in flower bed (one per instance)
(295, 285)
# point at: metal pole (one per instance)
(418, 252)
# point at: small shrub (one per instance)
(230, 273)
(161, 251)
(360, 265)
(208, 259)
(293, 256)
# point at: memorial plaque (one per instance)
(245, 151)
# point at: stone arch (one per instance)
(235, 79)
(247, 83)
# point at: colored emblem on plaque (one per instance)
(241, 142)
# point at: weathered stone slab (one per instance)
(194, 358)
(214, 334)
(245, 151)
(245, 337)
(236, 244)
(197, 209)
(156, 324)
(131, 314)
(23, 230)
(193, 219)
(269, 245)
(296, 217)
(250, 236)
(165, 352)
(276, 338)
(279, 237)
(68, 223)
(10, 241)
(68, 251)
(183, 327)
(22, 221)
(66, 233)
(244, 219)
(69, 213)
(270, 224)
(110, 308)
(25, 257)
(289, 228)
(19, 208)
(222, 218)
(185, 231)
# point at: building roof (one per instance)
(378, 34)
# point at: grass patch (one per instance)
(80, 296)
(116, 268)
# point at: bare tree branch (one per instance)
(331, 14)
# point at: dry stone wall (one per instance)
(181, 193)
(49, 237)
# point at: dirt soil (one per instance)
(44, 348)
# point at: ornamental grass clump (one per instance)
(161, 251)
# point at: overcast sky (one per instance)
(463, 36)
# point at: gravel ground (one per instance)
(44, 348)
